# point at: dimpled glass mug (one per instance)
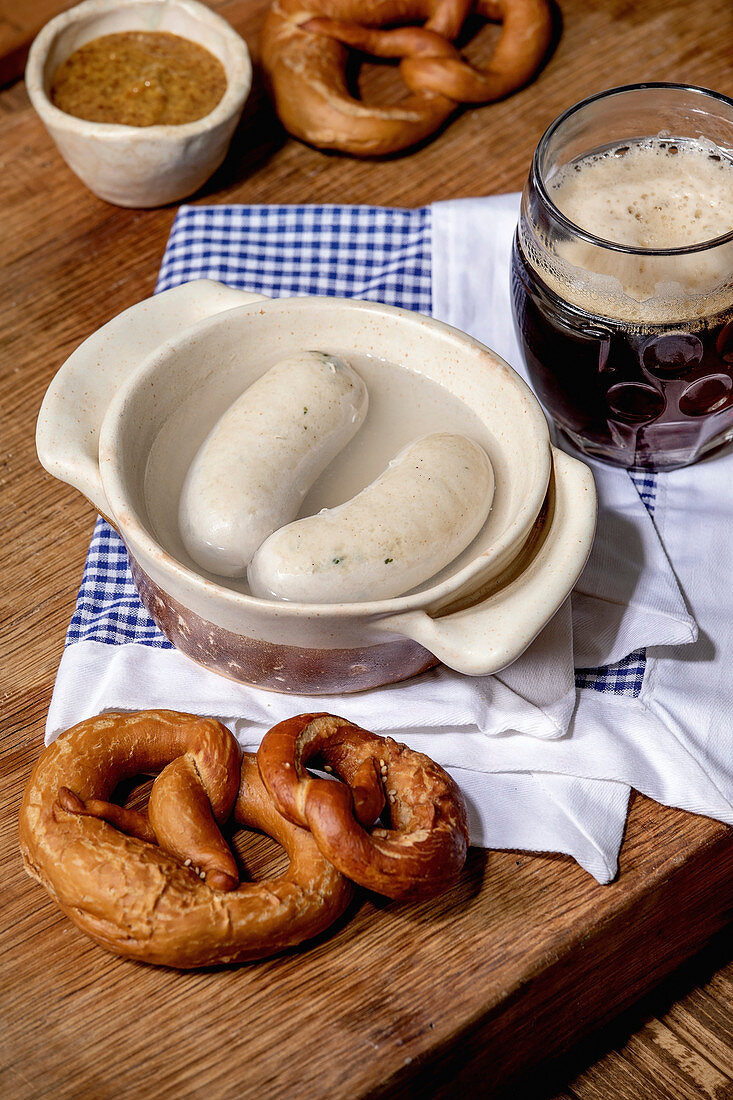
(622, 274)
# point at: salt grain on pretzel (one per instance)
(424, 849)
(305, 51)
(176, 903)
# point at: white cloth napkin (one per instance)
(544, 766)
(674, 742)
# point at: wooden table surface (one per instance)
(527, 954)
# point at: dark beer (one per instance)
(635, 395)
(622, 276)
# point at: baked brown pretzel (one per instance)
(305, 52)
(174, 903)
(424, 849)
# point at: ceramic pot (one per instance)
(126, 413)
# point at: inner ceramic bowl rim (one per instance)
(238, 74)
(134, 531)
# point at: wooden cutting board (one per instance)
(20, 22)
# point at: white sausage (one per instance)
(252, 471)
(413, 520)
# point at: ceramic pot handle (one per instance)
(488, 635)
(71, 414)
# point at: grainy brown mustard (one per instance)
(139, 78)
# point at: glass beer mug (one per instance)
(622, 274)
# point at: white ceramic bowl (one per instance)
(140, 166)
(127, 412)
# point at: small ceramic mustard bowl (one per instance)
(140, 166)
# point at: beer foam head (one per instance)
(654, 194)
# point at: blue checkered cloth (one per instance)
(367, 252)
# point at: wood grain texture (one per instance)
(527, 954)
(20, 22)
(677, 1041)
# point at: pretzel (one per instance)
(305, 50)
(175, 902)
(422, 852)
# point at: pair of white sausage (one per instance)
(252, 472)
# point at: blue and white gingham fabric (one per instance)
(373, 253)
(365, 252)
